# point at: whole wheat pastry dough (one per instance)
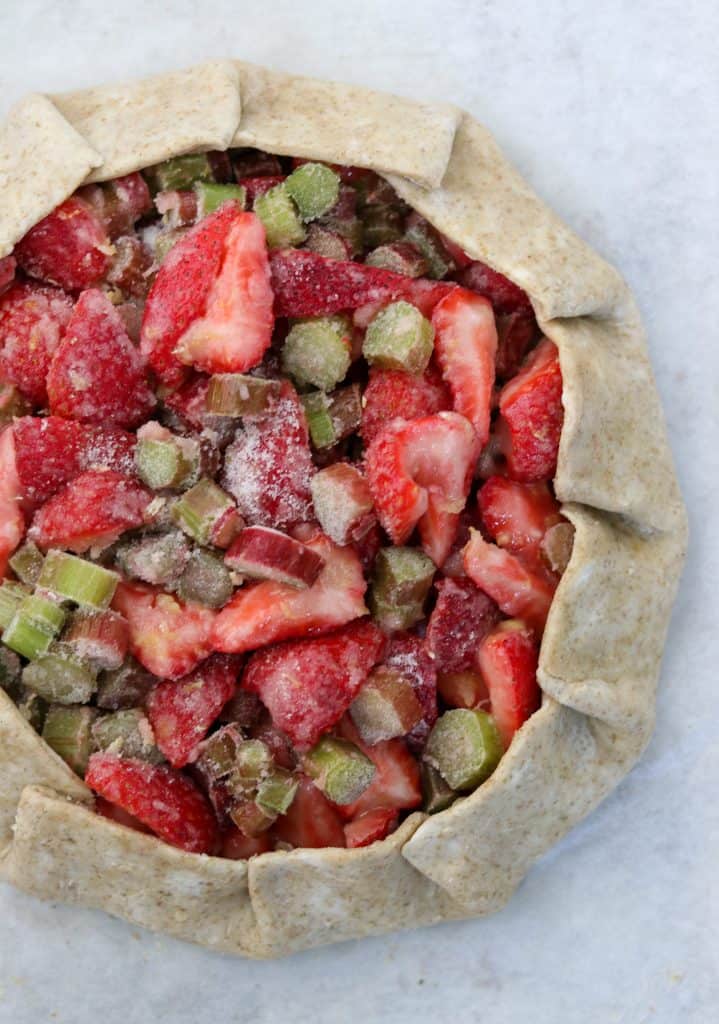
(601, 652)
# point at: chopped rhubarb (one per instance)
(57, 678)
(386, 706)
(331, 418)
(464, 747)
(266, 554)
(27, 562)
(100, 638)
(399, 338)
(401, 581)
(234, 394)
(428, 241)
(531, 409)
(211, 196)
(130, 268)
(12, 596)
(342, 502)
(408, 654)
(315, 189)
(437, 795)
(460, 619)
(339, 769)
(400, 257)
(33, 318)
(180, 172)
(202, 511)
(507, 659)
(255, 187)
(394, 393)
(124, 687)
(33, 627)
(280, 218)
(158, 558)
(68, 248)
(370, 827)
(381, 225)
(205, 580)
(68, 731)
(127, 732)
(317, 351)
(328, 243)
(396, 782)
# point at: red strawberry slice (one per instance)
(268, 467)
(370, 827)
(507, 659)
(307, 685)
(516, 333)
(457, 253)
(396, 783)
(97, 375)
(307, 284)
(517, 516)
(410, 656)
(532, 414)
(312, 821)
(265, 612)
(52, 451)
(167, 802)
(211, 302)
(392, 394)
(504, 295)
(466, 344)
(8, 265)
(12, 524)
(419, 473)
(170, 639)
(518, 591)
(236, 846)
(189, 402)
(69, 247)
(182, 711)
(256, 187)
(33, 318)
(114, 813)
(91, 511)
(461, 618)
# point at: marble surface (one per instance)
(610, 111)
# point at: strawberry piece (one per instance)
(119, 203)
(167, 802)
(517, 516)
(396, 783)
(237, 846)
(12, 525)
(531, 411)
(516, 333)
(307, 284)
(8, 265)
(256, 187)
(170, 639)
(307, 685)
(69, 247)
(518, 591)
(370, 827)
(91, 511)
(461, 618)
(268, 467)
(409, 655)
(189, 402)
(505, 296)
(466, 344)
(265, 612)
(394, 393)
(33, 318)
(96, 375)
(507, 659)
(114, 813)
(419, 473)
(312, 821)
(52, 451)
(181, 712)
(271, 554)
(456, 252)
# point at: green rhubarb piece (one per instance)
(127, 733)
(210, 196)
(386, 706)
(200, 509)
(402, 575)
(436, 794)
(78, 580)
(339, 769)
(206, 580)
(382, 225)
(394, 617)
(34, 626)
(236, 394)
(251, 819)
(276, 791)
(315, 189)
(278, 213)
(26, 563)
(333, 417)
(327, 242)
(253, 762)
(60, 679)
(400, 257)
(10, 671)
(32, 707)
(317, 351)
(171, 462)
(68, 731)
(12, 596)
(218, 756)
(158, 558)
(439, 263)
(399, 338)
(179, 173)
(464, 747)
(124, 687)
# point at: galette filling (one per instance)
(278, 538)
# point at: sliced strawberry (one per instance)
(507, 659)
(409, 655)
(466, 344)
(91, 511)
(170, 639)
(268, 467)
(167, 802)
(8, 265)
(532, 414)
(12, 524)
(236, 846)
(69, 247)
(256, 187)
(307, 284)
(265, 612)
(461, 618)
(97, 375)
(457, 253)
(505, 296)
(516, 333)
(312, 821)
(396, 782)
(419, 473)
(182, 711)
(518, 591)
(392, 394)
(52, 451)
(517, 516)
(370, 827)
(33, 318)
(114, 813)
(307, 685)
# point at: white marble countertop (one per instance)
(610, 111)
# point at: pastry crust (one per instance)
(601, 652)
